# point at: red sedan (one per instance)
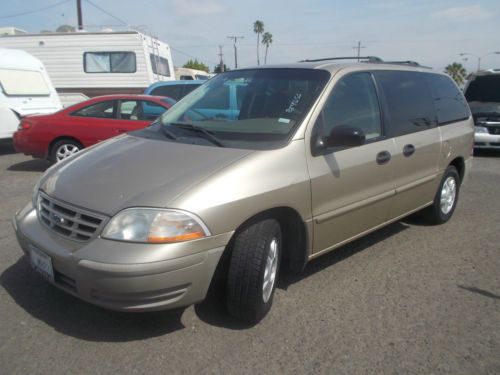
(61, 134)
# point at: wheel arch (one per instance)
(459, 164)
(60, 138)
(294, 236)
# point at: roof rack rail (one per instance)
(359, 58)
(371, 59)
(407, 62)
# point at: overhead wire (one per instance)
(35, 10)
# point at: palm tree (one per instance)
(267, 39)
(258, 28)
(457, 72)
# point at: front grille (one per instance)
(68, 221)
(494, 129)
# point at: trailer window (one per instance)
(23, 82)
(159, 65)
(109, 62)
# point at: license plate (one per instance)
(42, 263)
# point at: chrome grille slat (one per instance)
(68, 221)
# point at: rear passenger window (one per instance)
(100, 110)
(409, 101)
(353, 102)
(449, 102)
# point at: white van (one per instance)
(191, 74)
(25, 89)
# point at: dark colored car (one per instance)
(482, 92)
(62, 134)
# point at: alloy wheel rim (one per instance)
(448, 195)
(270, 270)
(65, 151)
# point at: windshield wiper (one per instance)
(208, 134)
(167, 132)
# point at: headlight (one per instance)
(34, 194)
(481, 129)
(150, 225)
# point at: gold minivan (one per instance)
(316, 155)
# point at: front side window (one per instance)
(449, 102)
(159, 65)
(109, 62)
(16, 82)
(105, 109)
(264, 116)
(409, 101)
(353, 102)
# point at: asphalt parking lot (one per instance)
(409, 298)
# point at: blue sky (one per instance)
(430, 32)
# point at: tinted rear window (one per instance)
(484, 89)
(176, 92)
(409, 101)
(449, 102)
(172, 91)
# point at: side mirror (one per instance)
(344, 136)
(340, 136)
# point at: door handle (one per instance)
(408, 150)
(121, 130)
(383, 157)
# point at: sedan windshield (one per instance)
(255, 108)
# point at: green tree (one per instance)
(194, 64)
(457, 72)
(258, 28)
(65, 29)
(267, 39)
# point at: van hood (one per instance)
(129, 171)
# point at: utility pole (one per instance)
(358, 47)
(221, 65)
(79, 13)
(235, 38)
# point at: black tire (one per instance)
(436, 214)
(246, 299)
(57, 147)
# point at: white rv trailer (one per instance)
(87, 64)
(25, 89)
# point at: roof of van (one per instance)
(334, 66)
(18, 59)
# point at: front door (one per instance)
(350, 187)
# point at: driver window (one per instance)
(353, 102)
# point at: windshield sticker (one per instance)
(293, 104)
(284, 120)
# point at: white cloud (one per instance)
(467, 13)
(198, 7)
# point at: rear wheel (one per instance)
(446, 198)
(63, 149)
(253, 270)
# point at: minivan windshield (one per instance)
(254, 108)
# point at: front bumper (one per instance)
(147, 277)
(485, 140)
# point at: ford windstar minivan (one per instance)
(319, 154)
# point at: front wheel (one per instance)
(63, 149)
(253, 270)
(445, 200)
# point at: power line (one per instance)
(358, 47)
(193, 57)
(35, 10)
(106, 12)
